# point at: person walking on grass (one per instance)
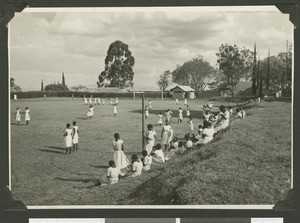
(115, 110)
(68, 138)
(146, 111)
(27, 115)
(120, 158)
(75, 136)
(167, 135)
(180, 115)
(18, 115)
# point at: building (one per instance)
(180, 91)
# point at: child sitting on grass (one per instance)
(181, 149)
(189, 142)
(238, 114)
(113, 173)
(136, 166)
(147, 160)
(206, 115)
(207, 134)
(158, 154)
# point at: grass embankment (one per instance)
(249, 163)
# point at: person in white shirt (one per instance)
(238, 114)
(115, 110)
(224, 118)
(120, 158)
(137, 166)
(113, 173)
(158, 154)
(207, 134)
(147, 160)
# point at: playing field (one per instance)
(42, 173)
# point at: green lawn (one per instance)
(247, 164)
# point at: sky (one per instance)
(45, 44)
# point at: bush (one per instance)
(56, 87)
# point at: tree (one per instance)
(254, 72)
(78, 87)
(13, 86)
(196, 73)
(119, 64)
(235, 63)
(56, 87)
(164, 80)
(63, 79)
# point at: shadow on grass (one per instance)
(56, 147)
(100, 166)
(50, 151)
(81, 118)
(17, 124)
(95, 182)
(194, 113)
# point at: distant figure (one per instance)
(160, 116)
(27, 115)
(150, 137)
(85, 101)
(210, 104)
(15, 97)
(110, 101)
(115, 110)
(146, 111)
(113, 173)
(18, 115)
(103, 101)
(72, 96)
(180, 115)
(98, 101)
(68, 138)
(188, 113)
(119, 156)
(147, 160)
(117, 100)
(230, 109)
(150, 105)
(176, 101)
(238, 114)
(167, 135)
(243, 112)
(185, 101)
(90, 101)
(95, 101)
(75, 136)
(45, 97)
(90, 112)
(191, 125)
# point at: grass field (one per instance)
(247, 164)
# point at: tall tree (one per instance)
(254, 72)
(235, 62)
(196, 73)
(56, 87)
(63, 79)
(42, 85)
(164, 80)
(268, 73)
(119, 64)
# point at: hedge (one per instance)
(77, 94)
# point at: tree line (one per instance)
(234, 64)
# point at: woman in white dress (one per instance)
(150, 105)
(75, 136)
(27, 116)
(18, 115)
(188, 113)
(85, 101)
(68, 138)
(150, 137)
(90, 101)
(90, 113)
(180, 116)
(224, 118)
(115, 110)
(167, 135)
(185, 102)
(120, 158)
(103, 101)
(146, 111)
(98, 101)
(117, 100)
(176, 101)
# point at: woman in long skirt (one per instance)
(75, 136)
(68, 138)
(18, 115)
(167, 135)
(120, 158)
(27, 116)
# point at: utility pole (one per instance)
(143, 122)
(254, 74)
(268, 73)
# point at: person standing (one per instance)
(75, 136)
(18, 115)
(68, 138)
(27, 115)
(120, 158)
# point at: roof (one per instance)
(171, 87)
(184, 88)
